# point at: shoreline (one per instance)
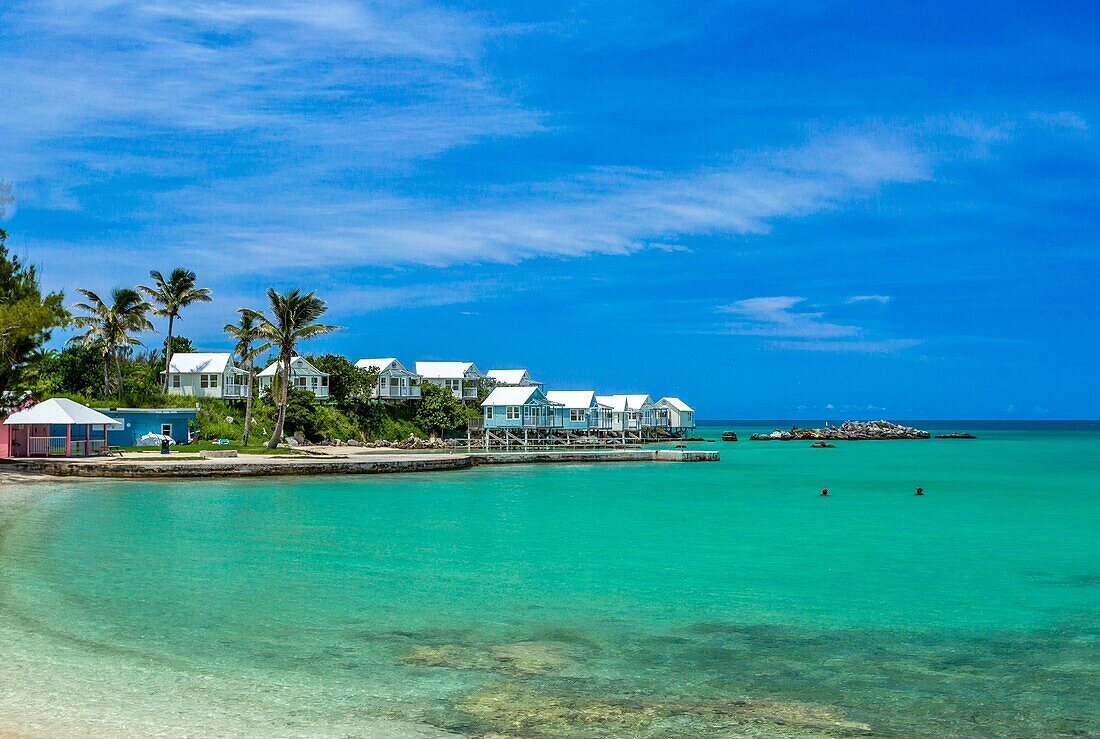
(286, 465)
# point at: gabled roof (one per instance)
(516, 396)
(299, 367)
(622, 403)
(63, 412)
(191, 362)
(509, 376)
(572, 398)
(446, 370)
(381, 364)
(675, 403)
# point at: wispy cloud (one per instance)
(773, 316)
(376, 82)
(1064, 119)
(885, 346)
(778, 317)
(602, 211)
(883, 299)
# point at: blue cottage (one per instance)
(137, 422)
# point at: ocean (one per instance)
(671, 600)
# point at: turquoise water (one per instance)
(722, 599)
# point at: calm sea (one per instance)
(724, 599)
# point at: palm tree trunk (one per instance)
(277, 435)
(168, 353)
(106, 381)
(118, 375)
(248, 406)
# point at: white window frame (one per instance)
(175, 380)
(166, 429)
(488, 413)
(577, 415)
(513, 413)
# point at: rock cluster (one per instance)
(956, 435)
(822, 445)
(729, 436)
(847, 431)
(413, 442)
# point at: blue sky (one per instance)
(773, 209)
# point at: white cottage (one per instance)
(462, 378)
(206, 375)
(303, 376)
(629, 412)
(580, 410)
(513, 378)
(394, 381)
(681, 416)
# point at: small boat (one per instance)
(729, 436)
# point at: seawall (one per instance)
(366, 464)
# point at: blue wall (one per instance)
(139, 423)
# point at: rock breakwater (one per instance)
(847, 431)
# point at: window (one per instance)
(175, 380)
(455, 385)
(300, 381)
(513, 412)
(324, 381)
(488, 413)
(166, 429)
(208, 380)
(576, 415)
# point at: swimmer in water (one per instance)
(824, 491)
(920, 491)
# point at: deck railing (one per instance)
(46, 446)
(399, 392)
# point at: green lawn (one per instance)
(253, 447)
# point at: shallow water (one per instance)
(720, 599)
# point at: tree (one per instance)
(111, 327)
(26, 315)
(171, 296)
(439, 410)
(349, 387)
(293, 318)
(246, 335)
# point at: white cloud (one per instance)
(602, 211)
(377, 83)
(773, 316)
(884, 346)
(1064, 119)
(777, 317)
(883, 299)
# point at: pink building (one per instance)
(58, 427)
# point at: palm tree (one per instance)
(110, 327)
(293, 319)
(245, 333)
(171, 296)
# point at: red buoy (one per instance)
(824, 491)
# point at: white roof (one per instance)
(378, 364)
(676, 403)
(62, 412)
(621, 403)
(445, 370)
(509, 376)
(512, 396)
(298, 367)
(191, 362)
(572, 398)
